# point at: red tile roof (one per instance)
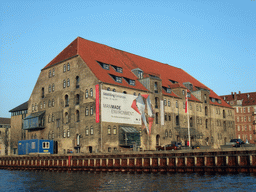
(248, 98)
(91, 52)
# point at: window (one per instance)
(49, 119)
(155, 87)
(66, 101)
(41, 105)
(156, 102)
(156, 118)
(68, 133)
(77, 81)
(206, 123)
(64, 83)
(131, 82)
(44, 104)
(53, 103)
(108, 89)
(140, 74)
(77, 99)
(165, 117)
(49, 103)
(114, 130)
(169, 116)
(206, 111)
(118, 79)
(114, 90)
(66, 117)
(109, 130)
(91, 111)
(86, 130)
(53, 119)
(205, 99)
(165, 103)
(68, 83)
(177, 104)
(42, 92)
(169, 103)
(91, 92)
(53, 72)
(68, 66)
(77, 115)
(86, 111)
(33, 145)
(58, 123)
(224, 114)
(86, 93)
(119, 69)
(91, 130)
(64, 68)
(50, 88)
(238, 128)
(244, 119)
(183, 92)
(191, 121)
(177, 120)
(166, 133)
(64, 133)
(50, 74)
(53, 87)
(46, 145)
(104, 65)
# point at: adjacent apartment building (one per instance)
(245, 114)
(17, 132)
(92, 97)
(5, 124)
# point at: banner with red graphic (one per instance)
(97, 107)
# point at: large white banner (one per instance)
(117, 108)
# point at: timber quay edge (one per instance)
(222, 161)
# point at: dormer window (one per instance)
(130, 81)
(118, 69)
(116, 78)
(155, 87)
(104, 65)
(172, 81)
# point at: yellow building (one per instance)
(92, 98)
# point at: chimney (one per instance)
(235, 96)
(239, 92)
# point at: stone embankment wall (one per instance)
(230, 160)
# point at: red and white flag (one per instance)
(186, 103)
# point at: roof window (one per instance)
(130, 81)
(116, 78)
(168, 90)
(104, 65)
(118, 69)
(172, 81)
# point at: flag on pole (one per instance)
(186, 103)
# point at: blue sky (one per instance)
(212, 40)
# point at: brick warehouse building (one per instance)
(245, 114)
(92, 97)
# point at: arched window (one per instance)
(64, 68)
(53, 87)
(86, 93)
(109, 130)
(77, 99)
(91, 92)
(156, 102)
(157, 118)
(224, 115)
(86, 111)
(49, 119)
(50, 88)
(86, 130)
(177, 120)
(53, 119)
(53, 72)
(206, 111)
(64, 83)
(91, 130)
(206, 123)
(91, 111)
(50, 74)
(114, 130)
(68, 83)
(77, 116)
(66, 101)
(77, 81)
(205, 99)
(49, 103)
(42, 92)
(68, 67)
(66, 117)
(53, 103)
(68, 133)
(177, 105)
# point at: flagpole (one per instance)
(188, 120)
